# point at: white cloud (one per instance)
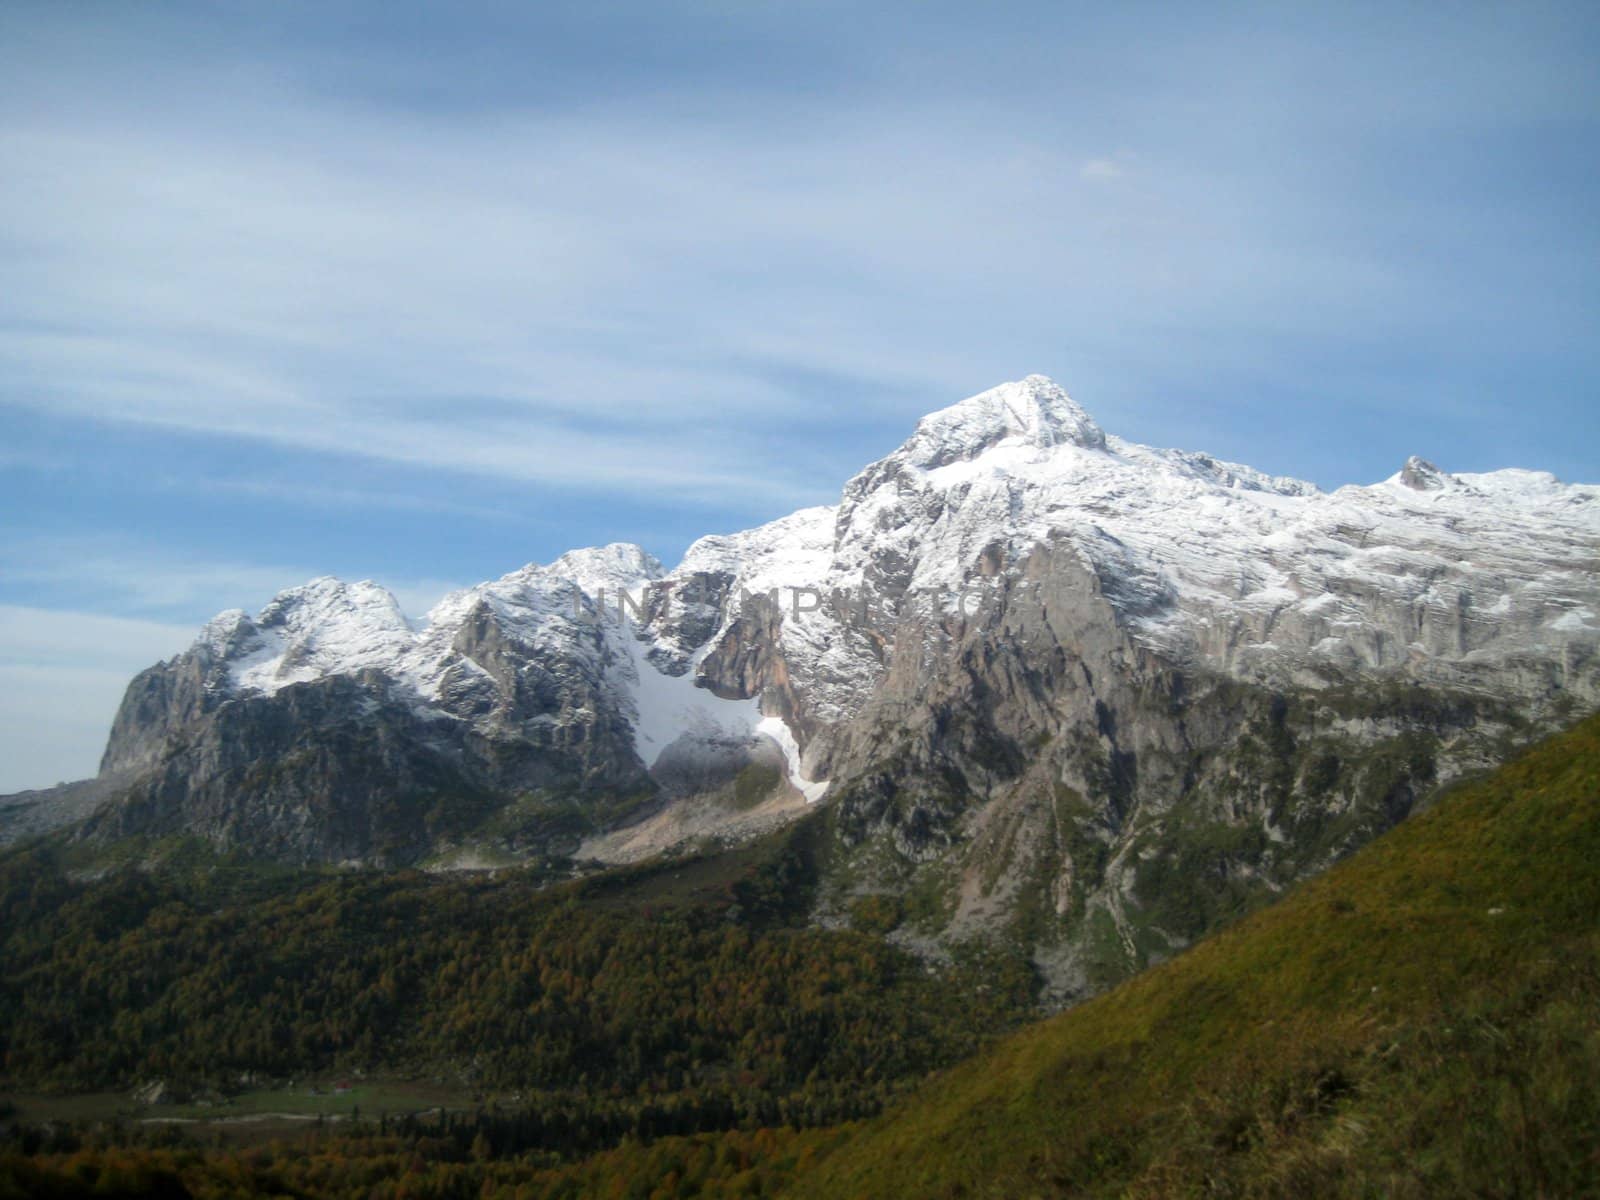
(62, 675)
(105, 575)
(1100, 169)
(589, 301)
(49, 637)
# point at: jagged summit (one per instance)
(226, 633)
(617, 565)
(1420, 475)
(328, 598)
(1035, 411)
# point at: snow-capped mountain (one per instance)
(1010, 604)
(1447, 577)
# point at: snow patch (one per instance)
(778, 730)
(666, 707)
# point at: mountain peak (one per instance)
(1034, 411)
(224, 635)
(1422, 476)
(329, 599)
(617, 566)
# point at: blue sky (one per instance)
(422, 292)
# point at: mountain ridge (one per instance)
(1022, 422)
(1064, 688)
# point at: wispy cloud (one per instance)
(98, 575)
(605, 293)
(309, 493)
(62, 675)
(590, 299)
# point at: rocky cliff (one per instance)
(1051, 685)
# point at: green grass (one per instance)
(755, 784)
(319, 1098)
(368, 1099)
(1422, 1020)
(695, 880)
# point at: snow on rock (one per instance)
(778, 730)
(321, 628)
(665, 707)
(1204, 560)
(621, 566)
(1034, 413)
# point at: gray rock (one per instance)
(1187, 684)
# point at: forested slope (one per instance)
(1422, 1020)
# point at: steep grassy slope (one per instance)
(1422, 1020)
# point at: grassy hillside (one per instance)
(1423, 1020)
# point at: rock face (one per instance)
(328, 729)
(1083, 692)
